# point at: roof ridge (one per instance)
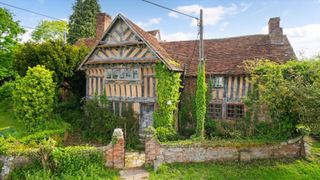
(220, 38)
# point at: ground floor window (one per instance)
(215, 110)
(235, 111)
(118, 107)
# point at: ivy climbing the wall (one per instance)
(167, 89)
(201, 101)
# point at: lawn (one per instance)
(7, 120)
(264, 169)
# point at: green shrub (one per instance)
(166, 134)
(68, 163)
(33, 98)
(6, 95)
(98, 122)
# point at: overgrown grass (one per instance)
(263, 169)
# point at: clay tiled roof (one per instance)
(89, 42)
(153, 32)
(153, 42)
(223, 56)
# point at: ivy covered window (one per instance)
(235, 111)
(215, 110)
(135, 73)
(217, 81)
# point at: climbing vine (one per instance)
(167, 89)
(201, 102)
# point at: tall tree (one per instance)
(61, 58)
(82, 22)
(49, 30)
(9, 31)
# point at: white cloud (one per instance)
(179, 36)
(26, 36)
(40, 1)
(303, 39)
(151, 21)
(223, 25)
(266, 3)
(245, 6)
(210, 15)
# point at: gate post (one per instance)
(118, 149)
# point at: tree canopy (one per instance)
(9, 40)
(57, 56)
(49, 30)
(82, 22)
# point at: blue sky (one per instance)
(300, 19)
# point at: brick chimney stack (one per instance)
(102, 23)
(275, 31)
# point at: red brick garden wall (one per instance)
(226, 151)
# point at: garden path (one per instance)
(134, 169)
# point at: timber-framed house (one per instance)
(123, 57)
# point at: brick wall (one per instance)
(201, 152)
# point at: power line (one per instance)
(170, 9)
(40, 14)
(30, 11)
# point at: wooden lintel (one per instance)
(129, 43)
(149, 75)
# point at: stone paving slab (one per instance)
(134, 174)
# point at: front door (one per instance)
(146, 116)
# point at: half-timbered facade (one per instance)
(122, 64)
(123, 56)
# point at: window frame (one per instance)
(125, 74)
(112, 107)
(214, 110)
(235, 111)
(214, 80)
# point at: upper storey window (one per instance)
(123, 74)
(217, 81)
